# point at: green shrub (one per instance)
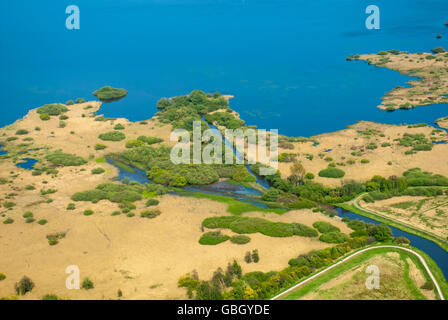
(87, 284)
(152, 202)
(30, 187)
(63, 117)
(271, 195)
(65, 159)
(119, 126)
(52, 109)
(113, 192)
(325, 227)
(27, 214)
(51, 297)
(71, 206)
(149, 140)
(98, 170)
(134, 143)
(42, 222)
(150, 213)
(108, 94)
(115, 213)
(44, 117)
(54, 238)
(365, 160)
(80, 100)
(24, 286)
(69, 103)
(2, 276)
(8, 221)
(240, 239)
(48, 191)
(9, 204)
(112, 136)
(331, 173)
(333, 237)
(309, 176)
(100, 146)
(247, 225)
(213, 238)
(88, 212)
(22, 132)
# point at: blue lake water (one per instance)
(284, 60)
(27, 163)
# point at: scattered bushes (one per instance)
(150, 213)
(333, 237)
(21, 132)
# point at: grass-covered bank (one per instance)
(362, 257)
(393, 223)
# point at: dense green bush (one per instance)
(88, 212)
(271, 195)
(333, 237)
(247, 225)
(240, 239)
(325, 227)
(65, 159)
(109, 94)
(98, 170)
(22, 132)
(213, 238)
(44, 117)
(112, 136)
(152, 202)
(100, 146)
(52, 109)
(113, 192)
(331, 173)
(87, 284)
(150, 213)
(149, 140)
(119, 126)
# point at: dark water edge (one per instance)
(436, 253)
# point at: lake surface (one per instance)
(284, 60)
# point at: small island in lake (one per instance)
(109, 94)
